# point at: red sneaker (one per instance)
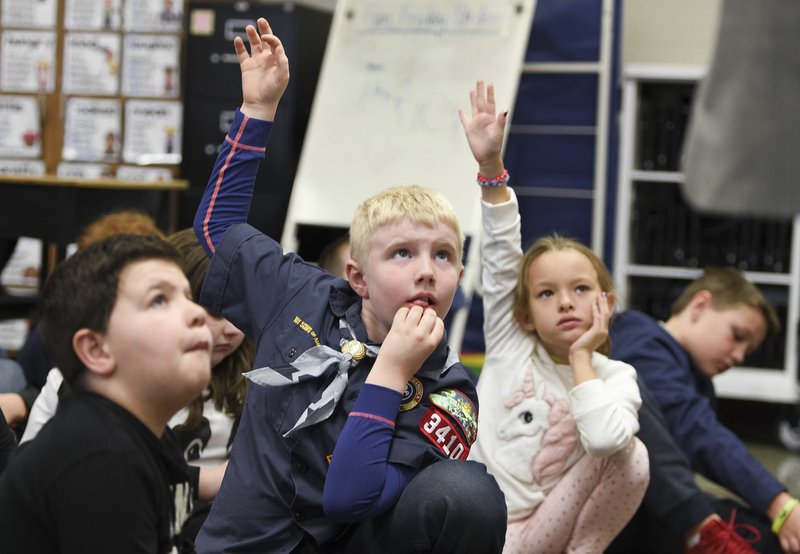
(720, 537)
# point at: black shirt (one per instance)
(95, 480)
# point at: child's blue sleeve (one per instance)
(361, 483)
(227, 197)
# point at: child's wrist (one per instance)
(256, 111)
(783, 515)
(497, 181)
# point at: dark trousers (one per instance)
(449, 507)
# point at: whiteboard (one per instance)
(385, 111)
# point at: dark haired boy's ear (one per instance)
(355, 276)
(90, 348)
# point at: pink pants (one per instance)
(591, 504)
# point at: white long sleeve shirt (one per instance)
(535, 423)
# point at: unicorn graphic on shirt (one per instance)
(540, 434)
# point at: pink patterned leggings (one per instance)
(584, 512)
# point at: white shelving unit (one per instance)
(776, 385)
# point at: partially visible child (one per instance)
(559, 417)
(106, 475)
(358, 418)
(717, 320)
(334, 256)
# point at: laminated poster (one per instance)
(153, 15)
(72, 170)
(91, 130)
(22, 168)
(34, 14)
(93, 15)
(27, 61)
(91, 63)
(153, 130)
(150, 66)
(20, 130)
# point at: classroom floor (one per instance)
(757, 424)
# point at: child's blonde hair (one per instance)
(416, 203)
(729, 289)
(546, 245)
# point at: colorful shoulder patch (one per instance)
(458, 405)
(412, 395)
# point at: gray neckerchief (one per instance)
(312, 363)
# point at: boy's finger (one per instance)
(274, 43)
(263, 26)
(490, 95)
(239, 48)
(255, 40)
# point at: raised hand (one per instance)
(484, 129)
(413, 337)
(265, 71)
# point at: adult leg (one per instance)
(449, 507)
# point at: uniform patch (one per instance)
(441, 432)
(412, 395)
(458, 405)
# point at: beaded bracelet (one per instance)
(498, 181)
(783, 515)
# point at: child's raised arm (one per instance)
(485, 132)
(265, 75)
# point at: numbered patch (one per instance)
(458, 405)
(412, 395)
(442, 433)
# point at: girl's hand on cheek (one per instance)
(598, 332)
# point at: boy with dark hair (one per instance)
(103, 475)
(714, 324)
(359, 417)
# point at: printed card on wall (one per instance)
(22, 168)
(20, 130)
(91, 129)
(27, 61)
(143, 174)
(72, 170)
(152, 132)
(39, 14)
(153, 15)
(91, 63)
(93, 15)
(150, 65)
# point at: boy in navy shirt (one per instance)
(717, 320)
(356, 428)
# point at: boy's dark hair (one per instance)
(82, 292)
(729, 288)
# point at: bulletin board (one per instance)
(91, 89)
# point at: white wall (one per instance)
(669, 32)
